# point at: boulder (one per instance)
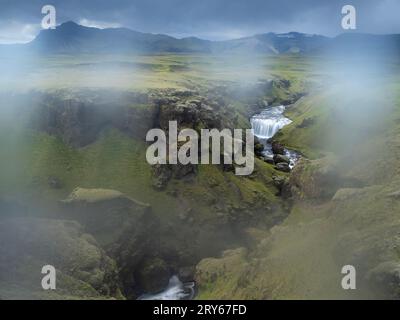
(277, 148)
(269, 160)
(279, 158)
(283, 166)
(258, 149)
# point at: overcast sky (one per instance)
(20, 20)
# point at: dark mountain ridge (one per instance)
(71, 38)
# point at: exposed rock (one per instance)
(184, 93)
(195, 113)
(196, 102)
(283, 166)
(54, 183)
(279, 158)
(75, 122)
(278, 181)
(83, 269)
(282, 185)
(258, 149)
(163, 173)
(136, 121)
(161, 176)
(306, 123)
(281, 83)
(277, 148)
(78, 121)
(121, 224)
(269, 160)
(181, 171)
(186, 274)
(386, 278)
(153, 275)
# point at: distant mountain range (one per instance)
(72, 38)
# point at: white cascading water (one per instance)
(176, 290)
(267, 123)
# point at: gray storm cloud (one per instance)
(210, 19)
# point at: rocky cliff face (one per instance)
(128, 230)
(83, 269)
(78, 120)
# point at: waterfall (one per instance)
(176, 290)
(267, 123)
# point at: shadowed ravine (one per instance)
(265, 125)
